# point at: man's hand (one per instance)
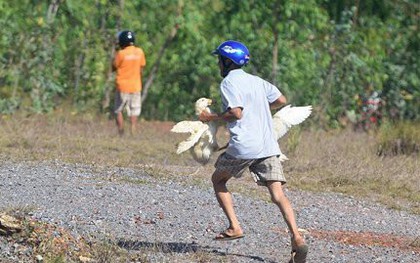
(228, 115)
(207, 116)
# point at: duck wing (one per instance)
(196, 130)
(289, 116)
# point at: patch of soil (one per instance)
(368, 239)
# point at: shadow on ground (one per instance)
(179, 247)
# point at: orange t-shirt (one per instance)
(129, 62)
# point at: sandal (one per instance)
(226, 237)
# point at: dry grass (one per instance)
(46, 242)
(399, 138)
(347, 162)
(338, 161)
(87, 139)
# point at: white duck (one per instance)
(202, 140)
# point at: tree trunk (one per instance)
(52, 10)
(162, 50)
(276, 35)
(109, 74)
(356, 13)
(156, 65)
(78, 65)
(275, 58)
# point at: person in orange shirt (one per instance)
(129, 62)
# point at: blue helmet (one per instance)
(235, 51)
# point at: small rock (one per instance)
(85, 259)
(9, 225)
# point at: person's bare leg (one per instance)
(120, 123)
(225, 200)
(133, 120)
(279, 198)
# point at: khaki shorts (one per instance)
(262, 170)
(131, 102)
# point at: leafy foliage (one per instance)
(320, 52)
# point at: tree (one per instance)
(317, 52)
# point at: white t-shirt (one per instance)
(251, 137)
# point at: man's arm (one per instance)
(278, 103)
(231, 114)
(114, 63)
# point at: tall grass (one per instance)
(347, 162)
(89, 139)
(336, 161)
(399, 138)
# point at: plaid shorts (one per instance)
(262, 170)
(131, 102)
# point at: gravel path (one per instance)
(142, 211)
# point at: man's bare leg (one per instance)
(279, 198)
(120, 123)
(225, 200)
(133, 120)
